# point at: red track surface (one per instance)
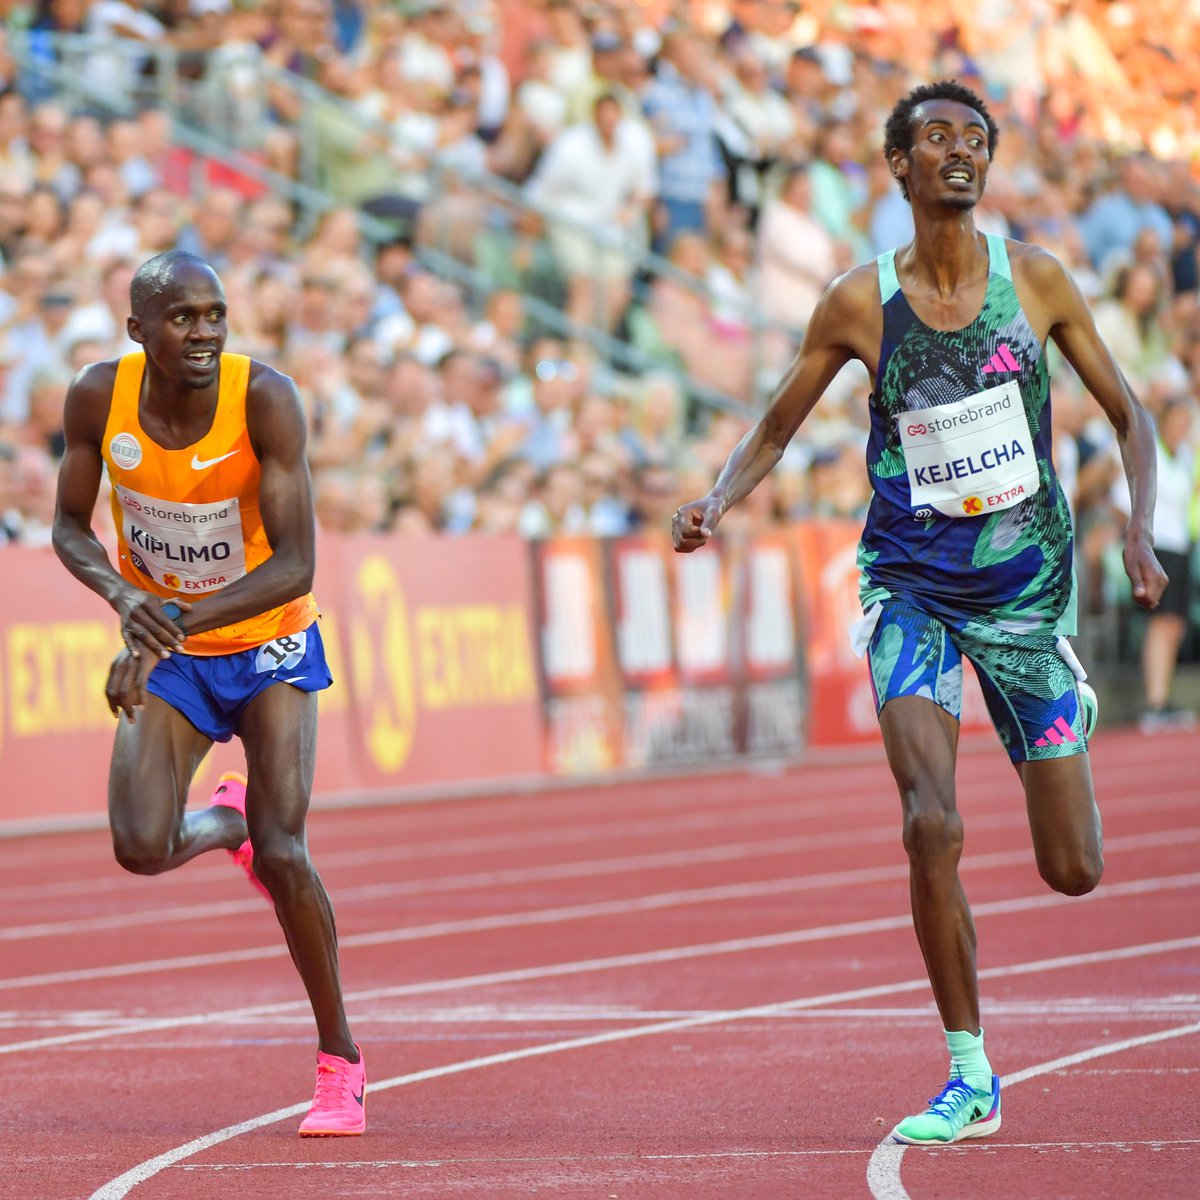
(697, 988)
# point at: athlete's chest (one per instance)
(177, 427)
(946, 313)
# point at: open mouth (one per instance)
(957, 175)
(202, 360)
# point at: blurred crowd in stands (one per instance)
(740, 142)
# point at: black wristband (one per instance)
(174, 614)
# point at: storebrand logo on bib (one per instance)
(126, 451)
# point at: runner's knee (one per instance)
(932, 831)
(1073, 875)
(280, 859)
(141, 851)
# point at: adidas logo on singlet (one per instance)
(1002, 362)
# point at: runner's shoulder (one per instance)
(1035, 264)
(857, 288)
(89, 398)
(849, 313)
(269, 388)
(851, 296)
(95, 380)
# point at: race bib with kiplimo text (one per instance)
(184, 547)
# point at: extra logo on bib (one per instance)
(972, 457)
(184, 547)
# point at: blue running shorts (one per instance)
(212, 691)
(1028, 679)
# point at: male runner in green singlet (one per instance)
(967, 546)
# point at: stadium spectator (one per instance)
(1168, 625)
(797, 254)
(758, 129)
(680, 105)
(1112, 223)
(214, 227)
(1130, 321)
(597, 176)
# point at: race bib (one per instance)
(282, 654)
(972, 457)
(184, 547)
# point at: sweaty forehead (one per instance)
(946, 112)
(191, 287)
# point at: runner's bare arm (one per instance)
(1069, 321)
(275, 420)
(842, 327)
(85, 413)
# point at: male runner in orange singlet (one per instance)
(213, 508)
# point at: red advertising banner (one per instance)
(438, 663)
(686, 658)
(775, 670)
(430, 642)
(581, 692)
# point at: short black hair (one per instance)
(153, 277)
(898, 132)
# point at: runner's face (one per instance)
(183, 329)
(948, 164)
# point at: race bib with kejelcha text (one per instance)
(184, 547)
(970, 458)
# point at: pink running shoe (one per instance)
(231, 792)
(339, 1108)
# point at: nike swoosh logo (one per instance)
(202, 464)
(359, 1098)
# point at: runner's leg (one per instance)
(154, 759)
(279, 732)
(1064, 822)
(921, 740)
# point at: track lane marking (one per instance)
(155, 917)
(541, 916)
(733, 946)
(883, 1171)
(1162, 801)
(122, 1185)
(1121, 1147)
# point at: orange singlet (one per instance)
(187, 520)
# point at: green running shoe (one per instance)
(958, 1112)
(1089, 708)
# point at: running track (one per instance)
(697, 988)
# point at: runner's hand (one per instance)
(125, 690)
(143, 625)
(1144, 571)
(694, 523)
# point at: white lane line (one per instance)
(627, 865)
(379, 1164)
(225, 958)
(883, 1171)
(656, 957)
(485, 880)
(645, 829)
(599, 909)
(1123, 1147)
(634, 830)
(120, 1187)
(585, 1013)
